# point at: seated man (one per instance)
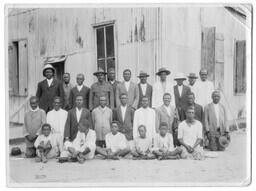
(142, 145)
(82, 147)
(47, 145)
(116, 144)
(190, 136)
(163, 144)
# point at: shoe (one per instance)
(63, 159)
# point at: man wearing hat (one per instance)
(48, 89)
(161, 87)
(144, 88)
(101, 88)
(113, 82)
(180, 92)
(192, 83)
(204, 89)
(215, 119)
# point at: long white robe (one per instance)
(145, 117)
(158, 92)
(204, 92)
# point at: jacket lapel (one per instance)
(74, 113)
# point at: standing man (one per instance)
(161, 87)
(113, 82)
(124, 115)
(145, 116)
(79, 89)
(144, 88)
(102, 119)
(77, 117)
(67, 86)
(215, 122)
(130, 88)
(192, 83)
(101, 88)
(205, 89)
(57, 118)
(33, 121)
(48, 89)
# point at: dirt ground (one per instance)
(231, 167)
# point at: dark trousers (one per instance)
(214, 144)
(101, 143)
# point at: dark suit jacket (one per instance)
(114, 85)
(46, 94)
(149, 91)
(126, 125)
(71, 126)
(199, 113)
(181, 100)
(85, 92)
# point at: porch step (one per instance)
(16, 133)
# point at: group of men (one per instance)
(114, 119)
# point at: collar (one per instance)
(79, 86)
(112, 82)
(79, 109)
(34, 110)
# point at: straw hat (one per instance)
(15, 151)
(180, 76)
(48, 66)
(223, 141)
(192, 75)
(143, 74)
(100, 71)
(160, 70)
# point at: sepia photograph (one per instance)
(128, 95)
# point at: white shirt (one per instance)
(191, 133)
(49, 82)
(78, 113)
(57, 120)
(127, 85)
(123, 110)
(165, 143)
(204, 92)
(115, 142)
(142, 144)
(112, 82)
(180, 88)
(79, 87)
(143, 88)
(217, 113)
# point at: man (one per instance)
(76, 117)
(192, 83)
(48, 89)
(145, 116)
(124, 115)
(205, 89)
(101, 88)
(33, 121)
(198, 108)
(80, 89)
(130, 88)
(180, 92)
(101, 119)
(190, 136)
(57, 118)
(161, 87)
(67, 86)
(113, 82)
(144, 88)
(215, 122)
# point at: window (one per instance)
(18, 68)
(105, 46)
(240, 67)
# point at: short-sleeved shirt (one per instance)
(115, 142)
(164, 143)
(53, 139)
(190, 133)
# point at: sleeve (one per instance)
(71, 98)
(43, 118)
(88, 98)
(91, 141)
(150, 96)
(225, 119)
(180, 131)
(137, 96)
(158, 119)
(135, 125)
(206, 117)
(93, 119)
(154, 96)
(111, 98)
(67, 126)
(153, 122)
(117, 95)
(155, 143)
(123, 143)
(61, 92)
(91, 98)
(25, 132)
(200, 131)
(108, 143)
(37, 142)
(39, 91)
(171, 146)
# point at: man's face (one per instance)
(79, 101)
(80, 80)
(143, 79)
(142, 132)
(48, 73)
(163, 76)
(103, 101)
(191, 99)
(46, 131)
(216, 98)
(179, 82)
(101, 77)
(191, 81)
(163, 131)
(203, 75)
(33, 103)
(123, 99)
(66, 78)
(114, 128)
(111, 75)
(127, 76)
(190, 114)
(144, 102)
(167, 100)
(57, 104)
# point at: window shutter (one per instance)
(13, 67)
(23, 68)
(240, 67)
(219, 61)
